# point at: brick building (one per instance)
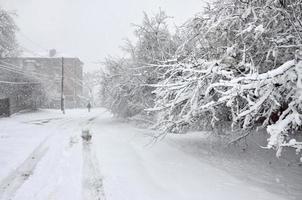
(48, 71)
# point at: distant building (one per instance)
(48, 71)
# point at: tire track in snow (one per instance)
(92, 182)
(19, 176)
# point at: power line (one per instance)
(23, 72)
(16, 69)
(19, 83)
(30, 51)
(32, 41)
(37, 44)
(11, 70)
(7, 68)
(75, 78)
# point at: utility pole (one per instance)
(62, 88)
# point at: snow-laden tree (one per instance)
(8, 28)
(91, 86)
(154, 41)
(125, 85)
(120, 88)
(240, 62)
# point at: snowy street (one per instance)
(151, 100)
(42, 156)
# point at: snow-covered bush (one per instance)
(240, 62)
(119, 87)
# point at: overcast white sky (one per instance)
(88, 29)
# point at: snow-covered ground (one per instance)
(42, 156)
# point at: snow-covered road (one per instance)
(42, 156)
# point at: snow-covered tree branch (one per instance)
(242, 66)
(236, 63)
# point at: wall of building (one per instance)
(51, 70)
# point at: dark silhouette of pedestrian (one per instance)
(88, 106)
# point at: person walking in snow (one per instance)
(88, 106)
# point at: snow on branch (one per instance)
(237, 64)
